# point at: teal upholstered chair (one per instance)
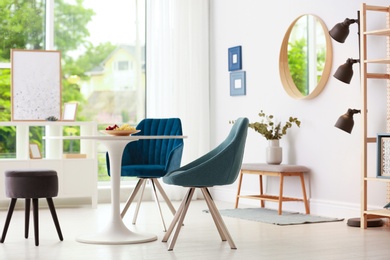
(218, 167)
(151, 159)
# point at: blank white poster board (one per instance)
(36, 84)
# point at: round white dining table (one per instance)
(115, 232)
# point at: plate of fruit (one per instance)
(123, 130)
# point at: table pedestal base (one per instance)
(116, 235)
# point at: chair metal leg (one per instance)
(180, 221)
(158, 204)
(164, 195)
(131, 198)
(27, 208)
(54, 216)
(36, 221)
(176, 217)
(215, 218)
(140, 187)
(218, 217)
(139, 201)
(8, 219)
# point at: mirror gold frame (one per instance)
(284, 69)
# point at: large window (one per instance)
(102, 46)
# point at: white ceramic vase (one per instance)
(274, 153)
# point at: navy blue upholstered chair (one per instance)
(218, 167)
(151, 159)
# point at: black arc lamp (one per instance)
(340, 31)
(344, 73)
(345, 122)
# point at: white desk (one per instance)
(115, 232)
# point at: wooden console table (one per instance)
(280, 171)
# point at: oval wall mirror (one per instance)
(305, 57)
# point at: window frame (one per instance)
(49, 45)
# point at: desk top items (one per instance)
(122, 130)
(52, 118)
(122, 127)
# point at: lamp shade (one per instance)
(340, 31)
(345, 122)
(344, 73)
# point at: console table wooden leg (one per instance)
(238, 189)
(304, 194)
(262, 203)
(280, 194)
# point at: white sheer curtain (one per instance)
(178, 71)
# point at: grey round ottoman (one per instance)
(31, 184)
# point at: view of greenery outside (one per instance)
(321, 56)
(22, 26)
(307, 33)
(297, 61)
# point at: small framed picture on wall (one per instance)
(235, 60)
(237, 83)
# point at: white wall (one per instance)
(332, 155)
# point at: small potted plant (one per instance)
(273, 132)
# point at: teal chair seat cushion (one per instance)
(143, 171)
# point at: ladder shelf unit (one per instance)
(364, 61)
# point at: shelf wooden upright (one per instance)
(365, 75)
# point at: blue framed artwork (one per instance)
(383, 156)
(237, 83)
(235, 60)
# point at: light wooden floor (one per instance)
(198, 239)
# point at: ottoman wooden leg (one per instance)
(27, 208)
(36, 221)
(8, 219)
(55, 218)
